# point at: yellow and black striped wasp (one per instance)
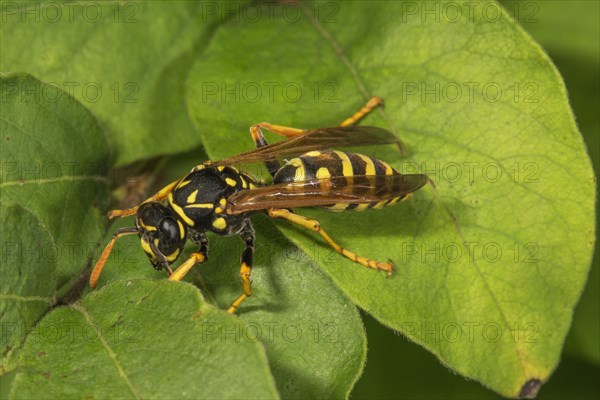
(217, 197)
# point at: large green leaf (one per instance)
(124, 61)
(142, 339)
(492, 260)
(54, 165)
(312, 334)
(577, 57)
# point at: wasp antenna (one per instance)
(106, 252)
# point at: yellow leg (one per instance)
(234, 306)
(371, 104)
(259, 140)
(314, 226)
(245, 271)
(284, 131)
(161, 194)
(247, 236)
(184, 268)
(288, 132)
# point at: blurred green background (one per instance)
(569, 31)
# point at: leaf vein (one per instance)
(341, 54)
(109, 350)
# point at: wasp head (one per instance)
(161, 232)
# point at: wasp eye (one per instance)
(169, 228)
(170, 239)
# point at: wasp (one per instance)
(218, 197)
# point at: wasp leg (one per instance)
(371, 104)
(198, 257)
(247, 236)
(259, 140)
(288, 132)
(160, 195)
(280, 130)
(95, 275)
(314, 226)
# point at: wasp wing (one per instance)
(317, 139)
(358, 189)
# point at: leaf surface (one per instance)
(123, 61)
(492, 259)
(312, 334)
(577, 57)
(141, 339)
(144, 339)
(54, 165)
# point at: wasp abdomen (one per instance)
(317, 165)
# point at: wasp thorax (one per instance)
(207, 185)
(200, 199)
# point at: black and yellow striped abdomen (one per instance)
(325, 164)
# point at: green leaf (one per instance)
(124, 61)
(577, 57)
(27, 291)
(54, 165)
(142, 339)
(492, 260)
(312, 334)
